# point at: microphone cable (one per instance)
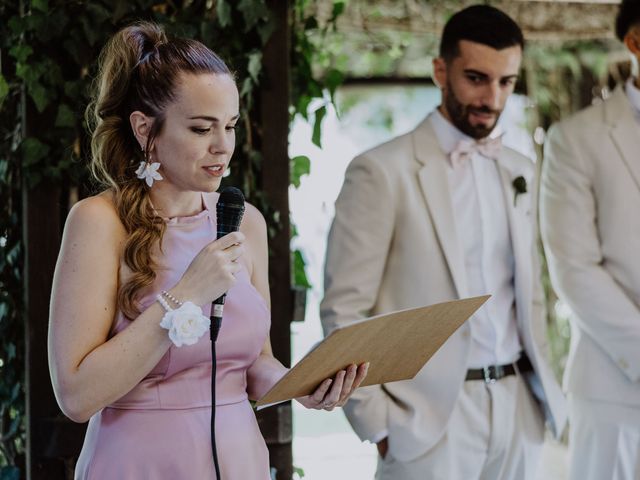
(229, 211)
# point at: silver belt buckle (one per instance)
(491, 373)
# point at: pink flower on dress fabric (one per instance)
(148, 172)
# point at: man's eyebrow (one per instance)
(475, 72)
(484, 75)
(209, 118)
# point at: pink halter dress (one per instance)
(161, 429)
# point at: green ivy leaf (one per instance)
(33, 150)
(303, 106)
(42, 5)
(4, 88)
(122, 7)
(311, 23)
(299, 274)
(21, 52)
(338, 8)
(223, 9)
(252, 12)
(16, 24)
(65, 117)
(317, 125)
(266, 29)
(27, 72)
(333, 80)
(300, 165)
(246, 87)
(40, 96)
(255, 65)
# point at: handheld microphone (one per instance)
(229, 211)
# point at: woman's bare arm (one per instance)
(88, 370)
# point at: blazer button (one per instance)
(623, 364)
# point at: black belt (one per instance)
(493, 373)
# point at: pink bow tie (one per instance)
(487, 147)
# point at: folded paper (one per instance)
(397, 345)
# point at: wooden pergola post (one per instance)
(52, 440)
(275, 422)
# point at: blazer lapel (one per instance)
(435, 187)
(624, 131)
(519, 214)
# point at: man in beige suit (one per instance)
(440, 213)
(590, 222)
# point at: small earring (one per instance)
(148, 170)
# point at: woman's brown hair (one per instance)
(138, 70)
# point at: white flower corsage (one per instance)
(186, 324)
(148, 172)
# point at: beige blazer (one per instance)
(590, 223)
(393, 245)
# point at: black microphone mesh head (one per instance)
(231, 196)
(229, 211)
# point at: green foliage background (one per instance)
(48, 50)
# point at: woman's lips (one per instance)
(216, 170)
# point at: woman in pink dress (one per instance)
(140, 265)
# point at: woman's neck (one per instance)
(170, 203)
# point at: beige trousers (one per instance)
(495, 433)
(604, 440)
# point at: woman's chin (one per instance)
(212, 185)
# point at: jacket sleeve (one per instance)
(357, 249)
(578, 271)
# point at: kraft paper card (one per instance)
(397, 345)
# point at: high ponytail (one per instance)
(138, 70)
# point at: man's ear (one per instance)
(632, 40)
(440, 72)
(141, 126)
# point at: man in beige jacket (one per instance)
(440, 213)
(590, 222)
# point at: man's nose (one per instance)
(492, 96)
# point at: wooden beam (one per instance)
(42, 233)
(275, 422)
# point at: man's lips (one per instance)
(482, 116)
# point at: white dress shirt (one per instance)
(481, 221)
(633, 94)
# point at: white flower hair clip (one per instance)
(186, 324)
(148, 172)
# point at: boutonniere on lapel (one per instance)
(519, 186)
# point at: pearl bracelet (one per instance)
(186, 324)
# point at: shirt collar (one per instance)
(447, 134)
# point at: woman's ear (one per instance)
(141, 126)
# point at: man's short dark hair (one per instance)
(480, 24)
(628, 16)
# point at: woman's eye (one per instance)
(200, 131)
(231, 127)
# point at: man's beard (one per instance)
(459, 114)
